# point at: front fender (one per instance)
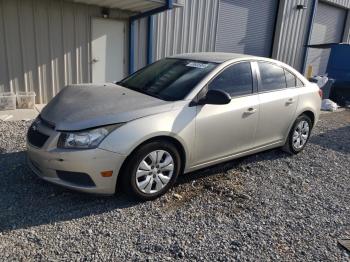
(178, 124)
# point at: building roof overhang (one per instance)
(135, 6)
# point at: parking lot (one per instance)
(269, 206)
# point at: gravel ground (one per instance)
(269, 206)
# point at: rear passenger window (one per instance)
(299, 83)
(236, 80)
(290, 79)
(272, 77)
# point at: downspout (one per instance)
(169, 5)
(309, 31)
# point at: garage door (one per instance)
(327, 28)
(246, 26)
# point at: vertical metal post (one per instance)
(132, 46)
(311, 23)
(150, 40)
(169, 5)
(345, 32)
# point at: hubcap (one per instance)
(301, 134)
(154, 172)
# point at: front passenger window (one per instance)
(236, 80)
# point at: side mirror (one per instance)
(215, 97)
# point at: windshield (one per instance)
(168, 79)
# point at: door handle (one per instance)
(250, 110)
(290, 101)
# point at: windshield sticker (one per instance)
(197, 65)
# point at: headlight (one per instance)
(85, 139)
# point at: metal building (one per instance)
(274, 28)
(328, 27)
(47, 44)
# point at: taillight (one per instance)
(320, 92)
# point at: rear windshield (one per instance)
(169, 79)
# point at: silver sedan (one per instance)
(174, 116)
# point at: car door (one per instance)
(278, 101)
(223, 130)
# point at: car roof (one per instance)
(220, 57)
(216, 57)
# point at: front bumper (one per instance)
(48, 162)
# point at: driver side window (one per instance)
(236, 80)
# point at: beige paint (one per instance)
(209, 134)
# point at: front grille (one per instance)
(36, 138)
(79, 179)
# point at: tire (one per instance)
(136, 175)
(291, 145)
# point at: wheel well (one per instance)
(310, 115)
(169, 139)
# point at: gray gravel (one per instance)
(269, 206)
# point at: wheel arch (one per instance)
(307, 112)
(310, 114)
(179, 146)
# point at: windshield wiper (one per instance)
(139, 90)
(148, 93)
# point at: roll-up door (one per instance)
(246, 26)
(327, 28)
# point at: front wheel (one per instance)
(298, 135)
(152, 170)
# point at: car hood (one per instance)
(79, 107)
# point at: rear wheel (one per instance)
(152, 170)
(298, 135)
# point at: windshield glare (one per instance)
(169, 79)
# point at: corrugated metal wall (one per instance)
(346, 37)
(191, 28)
(291, 32)
(343, 3)
(292, 29)
(327, 28)
(45, 45)
(141, 30)
(246, 26)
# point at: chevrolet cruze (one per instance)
(174, 116)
